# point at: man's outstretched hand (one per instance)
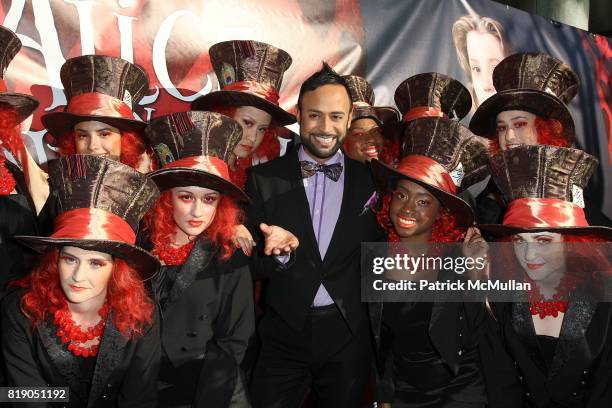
(278, 241)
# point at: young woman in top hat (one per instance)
(560, 334)
(427, 353)
(204, 289)
(250, 74)
(83, 319)
(364, 140)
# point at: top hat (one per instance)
(441, 155)
(430, 94)
(544, 186)
(101, 202)
(363, 99)
(536, 83)
(250, 73)
(193, 149)
(9, 47)
(100, 88)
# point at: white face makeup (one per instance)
(194, 209)
(84, 274)
(515, 128)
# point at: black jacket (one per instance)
(125, 372)
(207, 320)
(278, 198)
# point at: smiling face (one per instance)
(324, 115)
(484, 53)
(254, 124)
(541, 256)
(515, 128)
(413, 211)
(364, 141)
(84, 275)
(194, 209)
(98, 139)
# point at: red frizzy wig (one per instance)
(10, 133)
(159, 221)
(550, 133)
(130, 306)
(443, 230)
(269, 148)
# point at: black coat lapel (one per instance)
(109, 357)
(338, 237)
(443, 331)
(63, 360)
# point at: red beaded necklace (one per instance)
(7, 181)
(174, 256)
(70, 332)
(543, 308)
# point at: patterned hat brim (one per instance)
(238, 98)
(60, 123)
(142, 261)
(24, 104)
(386, 177)
(185, 177)
(500, 230)
(483, 122)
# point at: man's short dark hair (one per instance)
(326, 76)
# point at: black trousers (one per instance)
(324, 357)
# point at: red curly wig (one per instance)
(159, 222)
(10, 133)
(131, 307)
(269, 148)
(442, 231)
(550, 133)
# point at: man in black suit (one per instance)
(315, 334)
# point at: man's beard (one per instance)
(313, 150)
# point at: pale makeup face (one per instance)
(324, 116)
(484, 52)
(413, 211)
(515, 128)
(364, 141)
(194, 209)
(98, 139)
(254, 124)
(541, 255)
(84, 275)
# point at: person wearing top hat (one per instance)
(365, 141)
(427, 353)
(559, 333)
(204, 289)
(250, 74)
(82, 319)
(23, 187)
(98, 119)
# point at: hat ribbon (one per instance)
(264, 91)
(427, 170)
(93, 224)
(544, 212)
(99, 104)
(422, 112)
(209, 164)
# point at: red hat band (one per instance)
(422, 112)
(544, 212)
(427, 170)
(99, 104)
(266, 92)
(209, 164)
(93, 224)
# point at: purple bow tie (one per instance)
(331, 171)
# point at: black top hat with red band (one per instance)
(250, 73)
(544, 185)
(193, 149)
(430, 95)
(363, 99)
(101, 202)
(536, 83)
(9, 47)
(441, 155)
(100, 88)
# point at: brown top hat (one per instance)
(101, 88)
(544, 185)
(441, 155)
(101, 202)
(22, 103)
(430, 94)
(536, 83)
(250, 73)
(363, 99)
(193, 149)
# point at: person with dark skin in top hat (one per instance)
(204, 289)
(315, 333)
(82, 319)
(557, 335)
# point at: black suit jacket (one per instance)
(125, 373)
(278, 198)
